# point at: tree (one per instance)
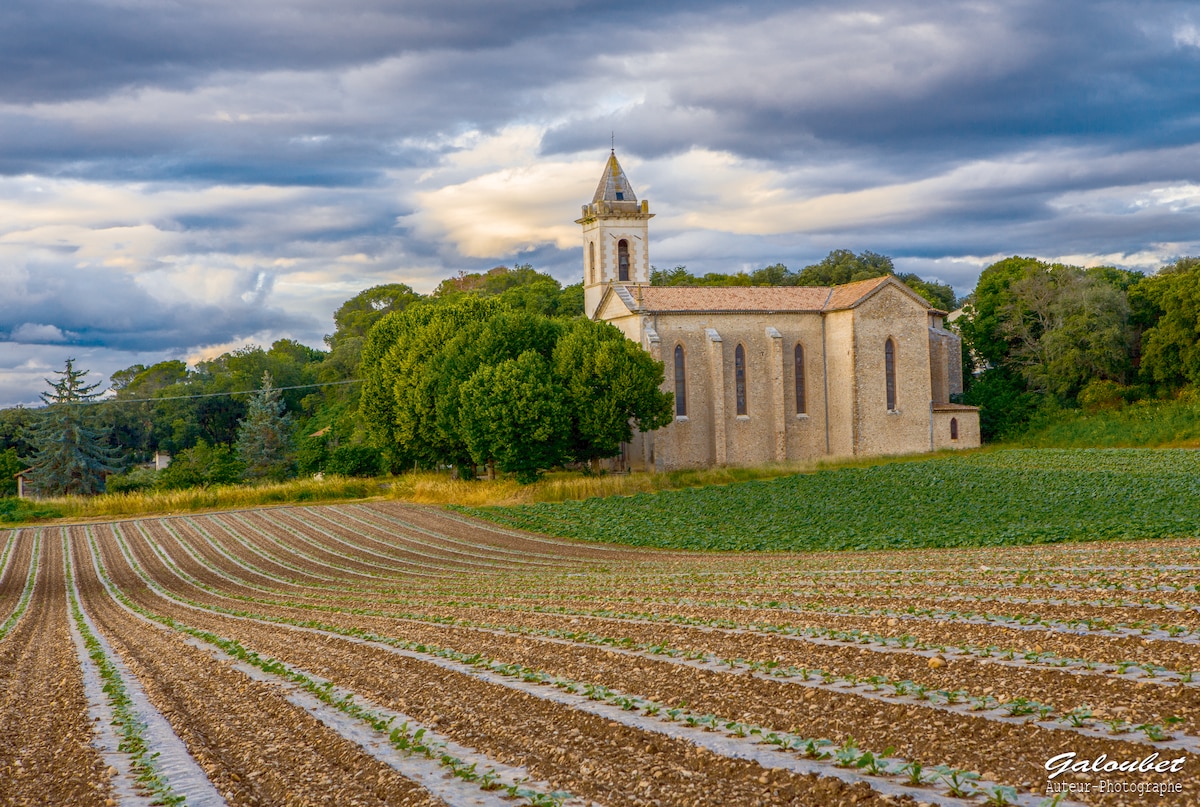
(402, 388)
(515, 414)
(475, 381)
(843, 266)
(1065, 328)
(938, 295)
(1168, 305)
(611, 384)
(10, 466)
(1043, 333)
(71, 457)
(138, 428)
(774, 275)
(200, 466)
(355, 317)
(264, 442)
(16, 427)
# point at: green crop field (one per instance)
(1014, 496)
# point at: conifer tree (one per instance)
(70, 455)
(265, 435)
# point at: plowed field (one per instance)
(389, 654)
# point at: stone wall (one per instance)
(892, 314)
(967, 419)
(846, 411)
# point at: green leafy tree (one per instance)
(1064, 328)
(774, 275)
(521, 288)
(990, 306)
(1168, 305)
(843, 266)
(500, 337)
(201, 465)
(16, 426)
(401, 388)
(939, 295)
(71, 457)
(264, 442)
(355, 317)
(678, 276)
(10, 466)
(426, 400)
(514, 413)
(137, 425)
(611, 384)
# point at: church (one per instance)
(773, 374)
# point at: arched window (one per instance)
(680, 384)
(739, 378)
(592, 260)
(953, 428)
(622, 260)
(889, 368)
(801, 403)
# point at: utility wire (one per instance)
(209, 394)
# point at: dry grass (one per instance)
(220, 497)
(437, 488)
(421, 488)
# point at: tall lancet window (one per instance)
(739, 378)
(889, 369)
(622, 260)
(680, 384)
(953, 428)
(592, 260)
(801, 402)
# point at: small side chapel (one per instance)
(773, 374)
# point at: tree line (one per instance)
(499, 371)
(1042, 335)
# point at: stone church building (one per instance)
(774, 374)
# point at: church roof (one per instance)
(614, 185)
(753, 298)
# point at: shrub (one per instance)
(13, 510)
(356, 460)
(1100, 394)
(135, 479)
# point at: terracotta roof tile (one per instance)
(847, 294)
(753, 298)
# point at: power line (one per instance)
(212, 394)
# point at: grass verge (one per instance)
(424, 487)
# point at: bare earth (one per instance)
(582, 674)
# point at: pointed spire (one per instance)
(614, 186)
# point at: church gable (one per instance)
(855, 295)
(616, 302)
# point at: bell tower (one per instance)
(615, 237)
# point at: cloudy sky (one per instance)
(182, 178)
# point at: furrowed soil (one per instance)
(609, 675)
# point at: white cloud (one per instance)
(37, 333)
(1187, 35)
(513, 201)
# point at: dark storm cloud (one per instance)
(929, 81)
(295, 148)
(51, 305)
(67, 49)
